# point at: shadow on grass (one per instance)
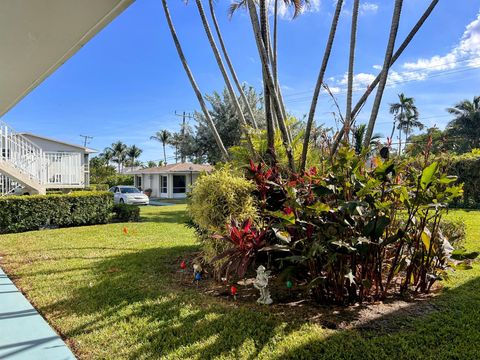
(135, 301)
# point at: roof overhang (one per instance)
(36, 37)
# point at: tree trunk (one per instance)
(351, 62)
(230, 66)
(384, 75)
(233, 95)
(165, 154)
(268, 79)
(395, 57)
(193, 83)
(318, 86)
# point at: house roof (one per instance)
(173, 168)
(85, 149)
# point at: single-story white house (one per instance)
(170, 181)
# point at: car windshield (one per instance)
(129, 190)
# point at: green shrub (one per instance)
(215, 200)
(219, 197)
(25, 213)
(99, 187)
(467, 168)
(118, 180)
(126, 212)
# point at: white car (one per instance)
(123, 194)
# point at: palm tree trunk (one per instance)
(351, 62)
(384, 75)
(193, 83)
(165, 154)
(395, 57)
(318, 86)
(399, 143)
(268, 79)
(230, 66)
(233, 95)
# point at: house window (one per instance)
(179, 184)
(164, 185)
(139, 182)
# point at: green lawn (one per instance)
(112, 295)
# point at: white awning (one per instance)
(37, 36)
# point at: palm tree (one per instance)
(268, 79)
(351, 61)
(467, 122)
(134, 153)
(404, 114)
(318, 86)
(107, 155)
(163, 136)
(386, 66)
(218, 58)
(119, 150)
(395, 57)
(359, 136)
(193, 83)
(408, 123)
(230, 66)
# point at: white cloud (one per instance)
(368, 8)
(465, 53)
(286, 12)
(360, 80)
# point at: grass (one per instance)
(111, 295)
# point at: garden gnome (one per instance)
(197, 272)
(261, 283)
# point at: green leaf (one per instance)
(319, 207)
(427, 175)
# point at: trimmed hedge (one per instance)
(25, 213)
(126, 212)
(467, 168)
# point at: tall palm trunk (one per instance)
(165, 153)
(193, 83)
(400, 134)
(268, 79)
(318, 86)
(395, 57)
(386, 66)
(269, 116)
(233, 95)
(351, 62)
(230, 66)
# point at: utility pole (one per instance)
(86, 139)
(184, 116)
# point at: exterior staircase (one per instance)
(21, 163)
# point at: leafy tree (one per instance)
(152, 164)
(100, 170)
(164, 137)
(437, 137)
(223, 114)
(466, 124)
(358, 135)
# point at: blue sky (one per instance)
(127, 82)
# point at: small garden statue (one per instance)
(261, 283)
(197, 273)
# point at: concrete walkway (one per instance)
(24, 334)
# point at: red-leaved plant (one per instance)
(246, 241)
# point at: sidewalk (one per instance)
(24, 334)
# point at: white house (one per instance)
(38, 163)
(170, 181)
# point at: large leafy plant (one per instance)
(351, 228)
